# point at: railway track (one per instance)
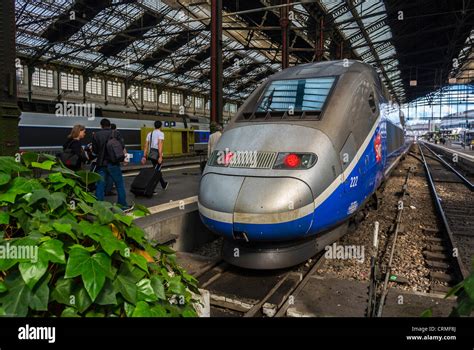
(238, 292)
(450, 247)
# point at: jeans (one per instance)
(109, 184)
(115, 173)
(162, 182)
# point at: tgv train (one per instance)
(305, 152)
(48, 132)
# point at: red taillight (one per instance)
(292, 160)
(227, 158)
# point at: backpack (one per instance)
(115, 149)
(68, 158)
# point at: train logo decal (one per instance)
(352, 208)
(378, 147)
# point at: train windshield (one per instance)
(296, 95)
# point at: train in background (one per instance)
(306, 151)
(46, 132)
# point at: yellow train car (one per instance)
(178, 141)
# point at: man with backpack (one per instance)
(109, 147)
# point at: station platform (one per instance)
(174, 217)
(183, 184)
(454, 148)
(333, 297)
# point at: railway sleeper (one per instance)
(438, 264)
(442, 276)
(435, 256)
(434, 239)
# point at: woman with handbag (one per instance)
(154, 151)
(74, 155)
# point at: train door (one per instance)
(347, 156)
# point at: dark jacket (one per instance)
(99, 142)
(76, 147)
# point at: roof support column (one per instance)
(216, 61)
(285, 34)
(9, 111)
(321, 39)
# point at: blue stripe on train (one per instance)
(343, 201)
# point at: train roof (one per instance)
(323, 69)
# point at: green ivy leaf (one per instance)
(139, 260)
(189, 312)
(65, 171)
(40, 295)
(71, 293)
(142, 208)
(158, 287)
(31, 272)
(20, 244)
(9, 165)
(176, 286)
(142, 310)
(58, 177)
(4, 218)
(22, 185)
(107, 294)
(46, 165)
(110, 243)
(138, 213)
(127, 220)
(469, 286)
(56, 200)
(16, 300)
(53, 251)
(49, 156)
(44, 228)
(427, 313)
(135, 233)
(125, 282)
(70, 312)
(38, 195)
(85, 208)
(30, 157)
(158, 311)
(4, 178)
(93, 313)
(129, 308)
(63, 228)
(3, 287)
(103, 212)
(165, 249)
(8, 197)
(93, 269)
(145, 291)
(88, 177)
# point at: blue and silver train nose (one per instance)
(256, 208)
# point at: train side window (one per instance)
(372, 104)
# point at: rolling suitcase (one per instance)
(145, 182)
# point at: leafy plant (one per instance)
(79, 256)
(465, 296)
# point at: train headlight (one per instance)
(291, 160)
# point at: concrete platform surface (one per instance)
(457, 148)
(323, 297)
(401, 303)
(183, 183)
(193, 263)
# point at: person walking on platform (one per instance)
(215, 136)
(109, 147)
(74, 156)
(109, 184)
(154, 151)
